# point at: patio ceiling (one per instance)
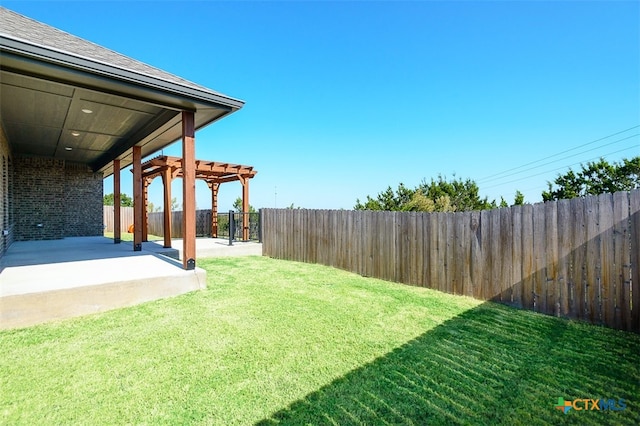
(88, 104)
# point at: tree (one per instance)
(595, 178)
(519, 199)
(436, 195)
(237, 205)
(125, 200)
(388, 199)
(464, 194)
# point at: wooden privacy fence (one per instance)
(126, 218)
(574, 258)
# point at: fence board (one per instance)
(415, 231)
(575, 258)
(411, 259)
(359, 252)
(376, 243)
(579, 254)
(606, 260)
(486, 287)
(621, 261)
(366, 237)
(450, 259)
(457, 253)
(476, 256)
(634, 211)
(496, 261)
(298, 236)
(591, 263)
(401, 272)
(506, 253)
(516, 256)
(442, 282)
(465, 247)
(566, 303)
(528, 290)
(551, 262)
(390, 242)
(539, 260)
(432, 240)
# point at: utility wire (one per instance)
(561, 159)
(560, 168)
(555, 155)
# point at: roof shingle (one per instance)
(16, 26)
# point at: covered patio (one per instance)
(71, 114)
(56, 279)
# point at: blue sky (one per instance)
(346, 98)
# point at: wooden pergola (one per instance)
(212, 172)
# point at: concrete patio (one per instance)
(41, 281)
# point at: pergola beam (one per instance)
(203, 168)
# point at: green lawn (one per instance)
(273, 341)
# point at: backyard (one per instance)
(273, 341)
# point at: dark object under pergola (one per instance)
(212, 172)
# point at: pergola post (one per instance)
(137, 199)
(188, 190)
(145, 213)
(166, 181)
(117, 232)
(214, 208)
(245, 207)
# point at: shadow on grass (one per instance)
(490, 365)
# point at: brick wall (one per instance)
(83, 212)
(54, 199)
(38, 198)
(6, 205)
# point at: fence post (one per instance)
(231, 227)
(259, 225)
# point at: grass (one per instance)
(125, 236)
(277, 342)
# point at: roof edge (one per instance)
(59, 57)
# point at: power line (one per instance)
(560, 168)
(563, 158)
(555, 155)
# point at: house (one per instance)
(72, 113)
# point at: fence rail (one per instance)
(574, 258)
